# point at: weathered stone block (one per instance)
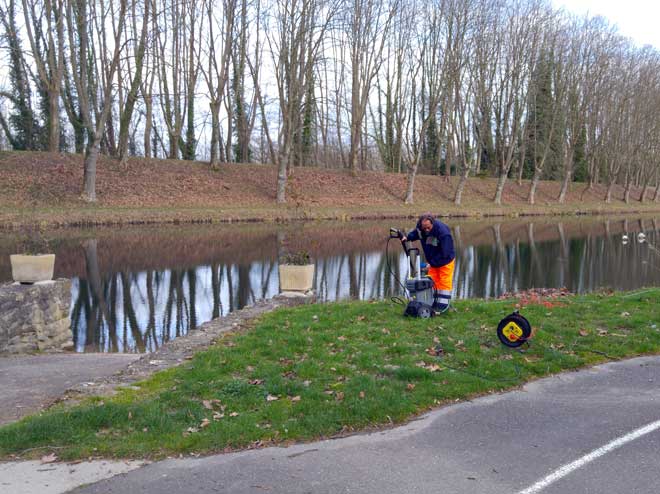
(35, 317)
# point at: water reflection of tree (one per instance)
(130, 318)
(99, 309)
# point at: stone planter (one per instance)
(296, 278)
(31, 269)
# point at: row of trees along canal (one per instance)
(504, 88)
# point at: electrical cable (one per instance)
(397, 300)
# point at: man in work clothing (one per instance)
(438, 246)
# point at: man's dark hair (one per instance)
(426, 216)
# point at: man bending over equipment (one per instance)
(438, 246)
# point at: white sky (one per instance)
(636, 19)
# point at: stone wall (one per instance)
(35, 317)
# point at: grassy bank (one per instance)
(325, 370)
(46, 188)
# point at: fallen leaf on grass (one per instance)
(295, 398)
(190, 430)
(584, 332)
(205, 423)
(209, 404)
(339, 396)
(233, 414)
(256, 382)
(410, 386)
(218, 415)
(362, 395)
(272, 398)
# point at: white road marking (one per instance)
(597, 453)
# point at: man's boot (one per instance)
(441, 300)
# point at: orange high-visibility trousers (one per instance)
(443, 276)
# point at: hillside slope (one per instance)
(46, 187)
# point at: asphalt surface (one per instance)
(30, 383)
(504, 443)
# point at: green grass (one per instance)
(322, 370)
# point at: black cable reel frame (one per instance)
(514, 330)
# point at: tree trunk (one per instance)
(460, 187)
(412, 172)
(531, 197)
(568, 175)
(282, 173)
(127, 112)
(499, 189)
(608, 195)
(54, 119)
(626, 192)
(355, 142)
(148, 103)
(642, 195)
(215, 134)
(564, 187)
(89, 180)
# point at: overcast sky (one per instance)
(637, 19)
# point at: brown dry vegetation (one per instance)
(46, 187)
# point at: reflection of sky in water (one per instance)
(487, 270)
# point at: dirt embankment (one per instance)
(46, 187)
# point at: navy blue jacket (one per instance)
(438, 245)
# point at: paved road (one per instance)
(31, 382)
(505, 443)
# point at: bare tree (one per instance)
(579, 64)
(517, 46)
(44, 23)
(299, 28)
(367, 29)
(217, 72)
(126, 109)
(393, 93)
(79, 26)
(431, 60)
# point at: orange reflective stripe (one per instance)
(443, 276)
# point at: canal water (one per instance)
(135, 288)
